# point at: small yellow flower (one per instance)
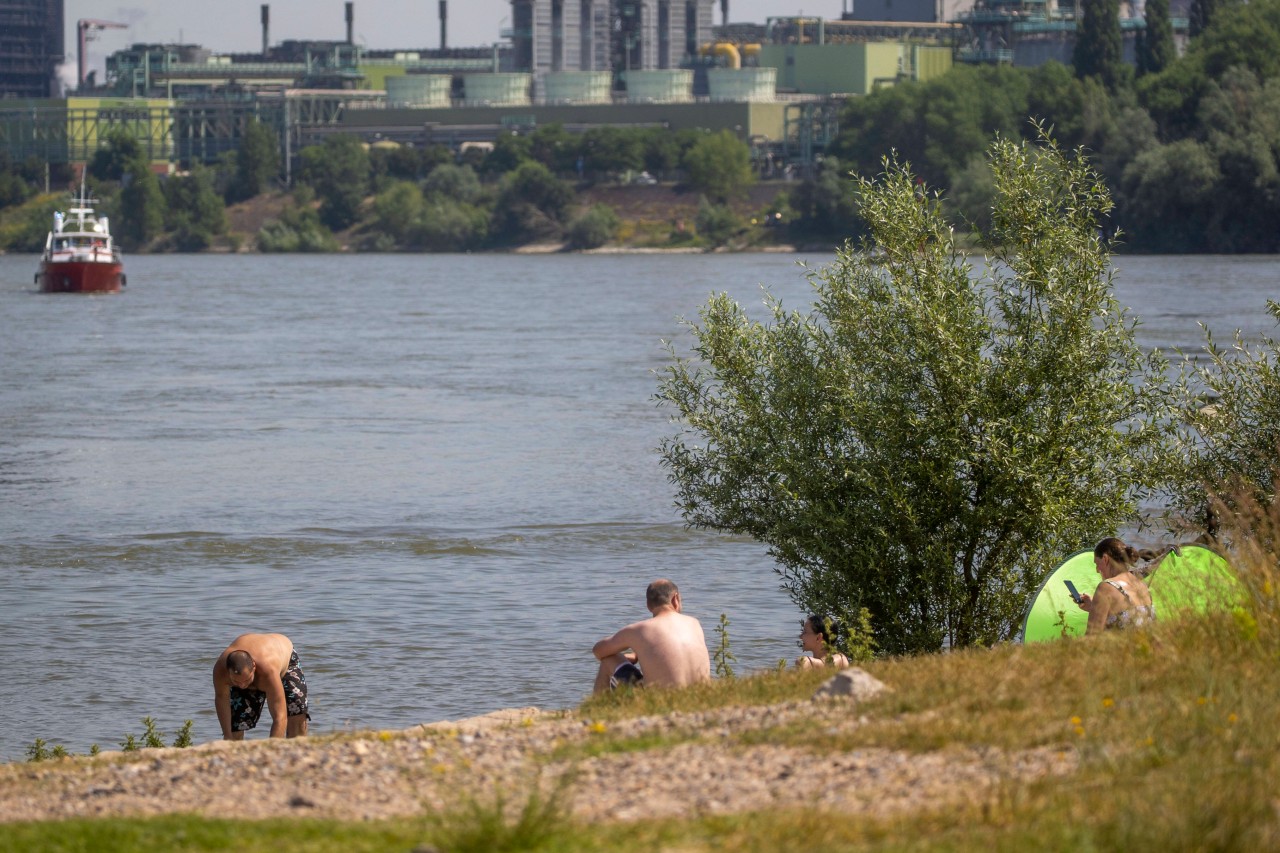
(597, 727)
(1075, 721)
(1150, 741)
(1080, 731)
(441, 768)
(1201, 700)
(527, 722)
(1232, 719)
(1108, 702)
(385, 736)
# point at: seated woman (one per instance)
(1122, 599)
(817, 637)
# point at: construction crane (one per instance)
(86, 31)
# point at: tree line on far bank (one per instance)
(1189, 148)
(526, 189)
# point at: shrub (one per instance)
(593, 228)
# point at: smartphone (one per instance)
(1075, 594)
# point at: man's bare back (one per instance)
(271, 669)
(670, 648)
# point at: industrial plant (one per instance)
(777, 84)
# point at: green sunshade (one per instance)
(1195, 580)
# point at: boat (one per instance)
(79, 254)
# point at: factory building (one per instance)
(32, 46)
(619, 36)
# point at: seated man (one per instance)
(668, 650)
(254, 669)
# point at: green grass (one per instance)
(1175, 731)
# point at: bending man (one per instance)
(257, 669)
(668, 650)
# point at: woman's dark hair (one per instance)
(825, 626)
(1122, 553)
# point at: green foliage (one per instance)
(1188, 195)
(593, 228)
(612, 150)
(509, 151)
(24, 227)
(483, 826)
(1230, 405)
(824, 203)
(142, 208)
(554, 147)
(716, 223)
(152, 738)
(857, 639)
(184, 738)
(118, 155)
(937, 126)
(94, 749)
(722, 653)
(719, 166)
(438, 222)
(927, 441)
(13, 189)
(38, 751)
(130, 743)
(455, 182)
(339, 172)
(1099, 47)
(1201, 14)
(196, 211)
(257, 162)
(1156, 49)
(298, 229)
(532, 204)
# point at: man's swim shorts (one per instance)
(627, 674)
(246, 703)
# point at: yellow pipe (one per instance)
(730, 52)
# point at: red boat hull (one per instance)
(80, 277)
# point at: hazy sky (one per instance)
(233, 26)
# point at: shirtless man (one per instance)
(670, 647)
(254, 669)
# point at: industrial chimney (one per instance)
(351, 18)
(444, 21)
(266, 19)
(724, 13)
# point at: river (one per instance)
(435, 473)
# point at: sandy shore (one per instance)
(372, 775)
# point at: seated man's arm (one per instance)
(615, 645)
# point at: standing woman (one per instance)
(1122, 599)
(817, 637)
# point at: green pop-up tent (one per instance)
(1192, 579)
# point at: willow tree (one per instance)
(930, 436)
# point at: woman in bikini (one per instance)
(817, 637)
(1122, 599)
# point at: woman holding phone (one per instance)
(1122, 599)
